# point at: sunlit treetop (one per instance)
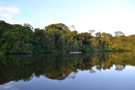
(59, 26)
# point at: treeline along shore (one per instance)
(58, 38)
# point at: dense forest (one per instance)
(23, 39)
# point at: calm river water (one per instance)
(98, 71)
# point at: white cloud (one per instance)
(13, 10)
(8, 13)
(1, 9)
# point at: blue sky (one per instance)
(99, 15)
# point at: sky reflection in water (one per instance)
(68, 72)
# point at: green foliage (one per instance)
(17, 40)
(58, 38)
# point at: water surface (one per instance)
(100, 71)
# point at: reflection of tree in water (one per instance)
(99, 67)
(92, 71)
(119, 67)
(59, 67)
(72, 75)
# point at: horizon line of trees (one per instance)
(58, 38)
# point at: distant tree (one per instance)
(28, 25)
(107, 38)
(98, 34)
(16, 38)
(58, 26)
(91, 31)
(119, 33)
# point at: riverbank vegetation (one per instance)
(23, 39)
